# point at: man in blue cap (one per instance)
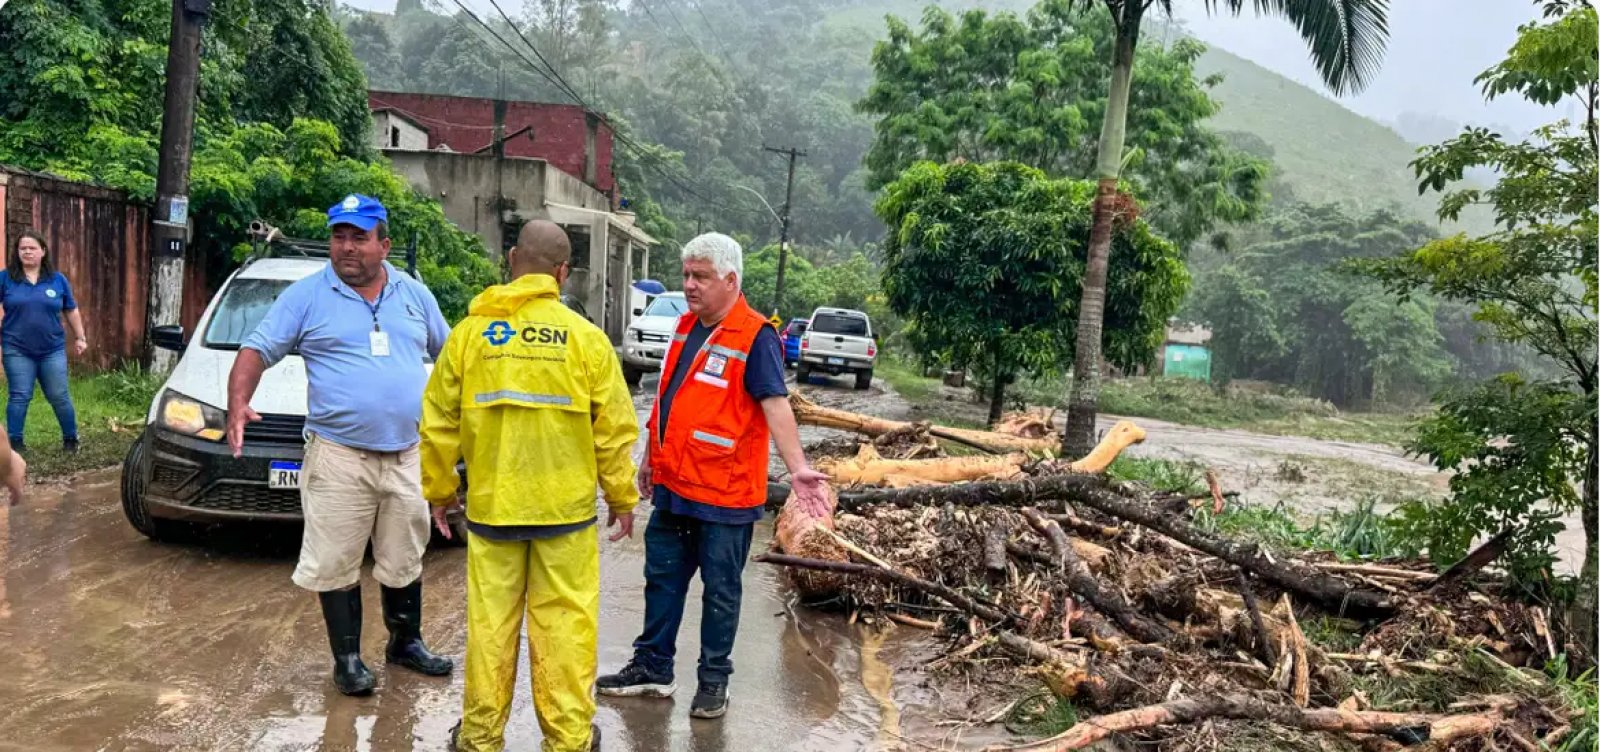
(365, 331)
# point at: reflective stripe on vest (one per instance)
(716, 447)
(532, 399)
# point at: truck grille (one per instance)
(652, 337)
(171, 476)
(228, 497)
(277, 429)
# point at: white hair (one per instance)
(722, 251)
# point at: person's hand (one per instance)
(441, 517)
(624, 524)
(17, 478)
(80, 346)
(237, 420)
(646, 488)
(810, 488)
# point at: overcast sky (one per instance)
(1436, 48)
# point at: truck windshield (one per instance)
(663, 306)
(829, 323)
(242, 307)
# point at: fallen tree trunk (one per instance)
(1330, 592)
(870, 468)
(1106, 600)
(946, 594)
(1006, 493)
(810, 413)
(802, 534)
(1407, 728)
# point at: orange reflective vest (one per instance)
(715, 449)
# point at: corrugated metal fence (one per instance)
(100, 239)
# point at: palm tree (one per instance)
(1346, 39)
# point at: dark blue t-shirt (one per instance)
(763, 378)
(33, 311)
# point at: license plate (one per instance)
(835, 361)
(283, 474)
(653, 354)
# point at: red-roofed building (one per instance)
(567, 137)
(554, 163)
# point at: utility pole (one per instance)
(783, 232)
(169, 228)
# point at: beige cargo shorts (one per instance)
(352, 496)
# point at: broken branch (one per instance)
(941, 592)
(1405, 727)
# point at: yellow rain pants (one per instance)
(557, 581)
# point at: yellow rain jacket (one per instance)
(531, 394)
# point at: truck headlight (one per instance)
(190, 416)
(636, 334)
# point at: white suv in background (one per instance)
(644, 345)
(840, 340)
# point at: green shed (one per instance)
(1187, 362)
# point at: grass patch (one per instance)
(1163, 476)
(1582, 694)
(1042, 715)
(1332, 633)
(1359, 533)
(120, 397)
(1279, 413)
(907, 380)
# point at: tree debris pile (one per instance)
(1122, 605)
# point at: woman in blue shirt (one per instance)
(34, 299)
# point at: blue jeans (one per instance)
(51, 373)
(675, 546)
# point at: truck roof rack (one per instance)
(267, 241)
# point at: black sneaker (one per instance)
(70, 446)
(710, 702)
(635, 680)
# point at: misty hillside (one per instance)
(1323, 151)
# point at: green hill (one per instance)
(1323, 152)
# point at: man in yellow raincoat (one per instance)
(532, 396)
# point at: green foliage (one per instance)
(1582, 695)
(1359, 533)
(1514, 448)
(985, 260)
(1162, 476)
(281, 130)
(1520, 447)
(1033, 90)
(1282, 309)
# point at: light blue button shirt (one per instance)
(357, 398)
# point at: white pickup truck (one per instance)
(839, 341)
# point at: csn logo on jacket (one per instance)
(499, 333)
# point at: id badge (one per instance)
(380, 344)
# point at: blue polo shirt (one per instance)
(33, 311)
(357, 398)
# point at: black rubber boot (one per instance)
(402, 614)
(341, 609)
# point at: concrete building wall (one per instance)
(467, 186)
(390, 131)
(570, 139)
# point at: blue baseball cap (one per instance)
(361, 211)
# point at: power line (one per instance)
(567, 87)
(639, 151)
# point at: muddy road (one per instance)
(112, 642)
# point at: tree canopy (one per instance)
(985, 262)
(281, 127)
(1033, 89)
(1518, 447)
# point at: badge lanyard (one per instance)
(379, 339)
